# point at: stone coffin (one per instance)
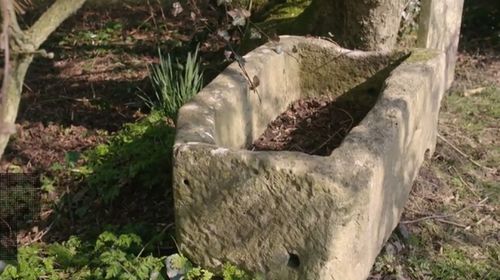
(290, 215)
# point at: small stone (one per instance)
(403, 232)
(390, 250)
(399, 246)
(177, 266)
(278, 49)
(2, 265)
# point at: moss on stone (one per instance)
(419, 55)
(286, 10)
(327, 71)
(285, 18)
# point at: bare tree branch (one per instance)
(5, 5)
(51, 19)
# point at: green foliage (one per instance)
(198, 273)
(178, 265)
(111, 256)
(138, 155)
(112, 30)
(174, 83)
(231, 272)
(18, 201)
(454, 264)
(480, 110)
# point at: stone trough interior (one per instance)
(317, 124)
(348, 80)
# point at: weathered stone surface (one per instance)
(439, 29)
(289, 215)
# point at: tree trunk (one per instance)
(356, 24)
(25, 45)
(10, 102)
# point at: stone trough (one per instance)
(291, 215)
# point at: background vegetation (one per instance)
(97, 125)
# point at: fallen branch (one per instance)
(462, 153)
(440, 217)
(41, 234)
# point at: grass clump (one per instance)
(174, 83)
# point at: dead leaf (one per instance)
(255, 82)
(176, 9)
(228, 54)
(239, 16)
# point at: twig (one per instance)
(349, 115)
(462, 153)
(326, 142)
(479, 222)
(161, 10)
(297, 147)
(272, 40)
(466, 184)
(240, 61)
(8, 226)
(40, 235)
(126, 270)
(149, 242)
(437, 217)
(336, 132)
(451, 223)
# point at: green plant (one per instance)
(173, 83)
(137, 155)
(178, 266)
(110, 256)
(231, 272)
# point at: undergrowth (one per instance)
(138, 155)
(111, 256)
(136, 162)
